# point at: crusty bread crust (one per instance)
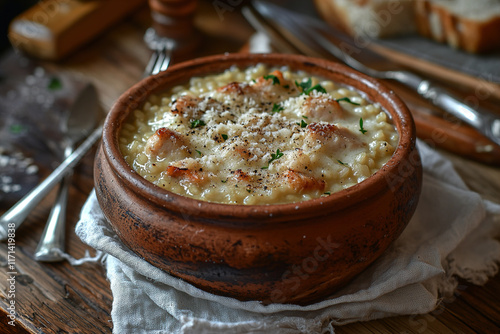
(438, 22)
(431, 19)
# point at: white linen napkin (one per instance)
(452, 234)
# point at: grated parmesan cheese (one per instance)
(258, 136)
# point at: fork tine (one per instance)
(167, 52)
(166, 60)
(151, 64)
(162, 52)
(159, 61)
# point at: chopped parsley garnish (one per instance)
(327, 193)
(342, 163)
(197, 123)
(306, 88)
(346, 99)
(361, 129)
(199, 153)
(275, 79)
(223, 181)
(249, 190)
(303, 85)
(224, 136)
(316, 87)
(276, 108)
(305, 117)
(17, 128)
(274, 156)
(302, 123)
(54, 84)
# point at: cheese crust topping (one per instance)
(258, 136)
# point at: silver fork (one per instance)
(162, 52)
(311, 35)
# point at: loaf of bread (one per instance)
(470, 25)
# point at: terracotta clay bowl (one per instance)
(286, 253)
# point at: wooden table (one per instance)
(60, 298)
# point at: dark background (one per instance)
(8, 10)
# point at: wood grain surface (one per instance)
(60, 298)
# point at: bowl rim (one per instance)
(137, 95)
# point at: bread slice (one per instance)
(374, 18)
(471, 25)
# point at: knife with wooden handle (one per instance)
(454, 137)
(52, 29)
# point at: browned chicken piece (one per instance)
(188, 169)
(269, 81)
(193, 176)
(301, 182)
(184, 102)
(264, 88)
(165, 142)
(296, 160)
(244, 152)
(332, 138)
(322, 108)
(240, 175)
(186, 106)
(236, 88)
(270, 88)
(279, 74)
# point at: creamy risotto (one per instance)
(258, 136)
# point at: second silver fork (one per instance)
(162, 52)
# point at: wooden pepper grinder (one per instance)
(174, 19)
